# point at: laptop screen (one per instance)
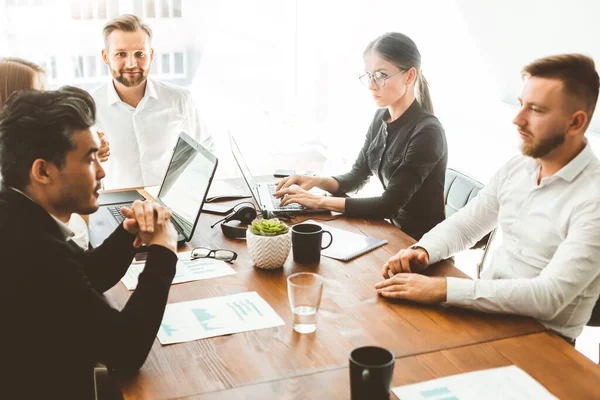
(186, 183)
(239, 159)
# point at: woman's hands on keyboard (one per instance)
(297, 194)
(295, 189)
(305, 182)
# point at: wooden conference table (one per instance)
(428, 341)
(550, 360)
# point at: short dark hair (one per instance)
(576, 71)
(36, 124)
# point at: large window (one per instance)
(94, 9)
(158, 8)
(281, 75)
(66, 39)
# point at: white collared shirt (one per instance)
(548, 265)
(142, 138)
(64, 228)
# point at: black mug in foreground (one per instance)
(371, 371)
(306, 243)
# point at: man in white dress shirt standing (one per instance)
(141, 117)
(547, 203)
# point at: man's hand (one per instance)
(305, 182)
(151, 224)
(299, 195)
(104, 151)
(406, 260)
(414, 287)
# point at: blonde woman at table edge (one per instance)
(19, 74)
(405, 147)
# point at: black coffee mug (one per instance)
(306, 243)
(371, 371)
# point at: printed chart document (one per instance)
(216, 316)
(491, 384)
(186, 270)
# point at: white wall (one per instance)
(330, 46)
(511, 33)
(288, 70)
(502, 37)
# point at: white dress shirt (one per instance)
(548, 265)
(81, 234)
(142, 138)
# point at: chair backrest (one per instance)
(459, 189)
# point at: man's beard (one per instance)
(77, 199)
(544, 146)
(140, 78)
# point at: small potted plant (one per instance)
(269, 243)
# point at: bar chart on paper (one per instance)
(186, 270)
(200, 319)
(494, 384)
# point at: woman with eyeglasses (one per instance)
(405, 147)
(19, 74)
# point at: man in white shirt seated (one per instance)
(140, 116)
(547, 203)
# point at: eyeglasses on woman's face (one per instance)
(219, 254)
(378, 77)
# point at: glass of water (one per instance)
(304, 291)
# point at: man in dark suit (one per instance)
(56, 325)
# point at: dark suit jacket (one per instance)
(56, 324)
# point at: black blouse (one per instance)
(409, 155)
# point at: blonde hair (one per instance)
(17, 74)
(27, 63)
(126, 23)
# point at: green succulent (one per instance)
(268, 227)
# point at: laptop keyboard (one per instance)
(116, 212)
(277, 202)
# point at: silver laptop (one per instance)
(183, 190)
(262, 192)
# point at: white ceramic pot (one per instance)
(269, 252)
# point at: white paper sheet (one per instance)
(186, 270)
(491, 384)
(216, 316)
